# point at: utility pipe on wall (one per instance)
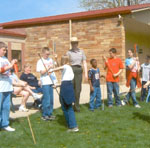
(70, 30)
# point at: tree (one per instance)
(101, 4)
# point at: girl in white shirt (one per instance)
(67, 96)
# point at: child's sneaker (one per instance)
(23, 109)
(110, 106)
(137, 106)
(9, 129)
(123, 103)
(52, 117)
(37, 96)
(76, 129)
(37, 104)
(45, 118)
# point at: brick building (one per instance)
(98, 31)
(15, 40)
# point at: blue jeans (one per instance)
(69, 114)
(47, 101)
(148, 96)
(37, 90)
(132, 94)
(95, 94)
(113, 87)
(4, 108)
(143, 91)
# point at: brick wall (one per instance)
(96, 37)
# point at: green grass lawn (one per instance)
(117, 127)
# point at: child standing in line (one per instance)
(6, 88)
(47, 82)
(114, 67)
(67, 96)
(145, 68)
(94, 81)
(133, 80)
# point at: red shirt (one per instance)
(113, 67)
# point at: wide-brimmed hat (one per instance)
(74, 39)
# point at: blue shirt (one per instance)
(129, 61)
(30, 79)
(94, 76)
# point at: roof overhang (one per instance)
(136, 27)
(11, 33)
(62, 18)
(75, 16)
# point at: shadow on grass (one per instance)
(142, 117)
(61, 120)
(87, 104)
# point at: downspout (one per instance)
(70, 31)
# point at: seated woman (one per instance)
(31, 80)
(22, 88)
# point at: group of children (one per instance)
(114, 67)
(46, 68)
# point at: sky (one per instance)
(11, 10)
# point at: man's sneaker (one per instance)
(137, 106)
(9, 129)
(23, 109)
(76, 129)
(37, 96)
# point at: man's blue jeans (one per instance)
(113, 87)
(132, 93)
(4, 108)
(69, 114)
(95, 94)
(47, 101)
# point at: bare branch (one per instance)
(101, 4)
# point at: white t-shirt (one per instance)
(5, 81)
(145, 72)
(46, 79)
(67, 73)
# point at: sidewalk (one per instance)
(83, 100)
